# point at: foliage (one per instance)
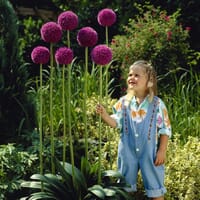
(189, 16)
(15, 165)
(182, 102)
(155, 36)
(182, 169)
(63, 185)
(16, 107)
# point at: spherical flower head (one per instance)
(68, 20)
(106, 17)
(51, 32)
(64, 55)
(40, 55)
(87, 37)
(101, 54)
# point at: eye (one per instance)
(137, 75)
(130, 74)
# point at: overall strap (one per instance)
(155, 102)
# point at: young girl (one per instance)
(144, 127)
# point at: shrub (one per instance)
(155, 36)
(182, 169)
(15, 165)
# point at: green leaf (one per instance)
(109, 192)
(42, 195)
(65, 175)
(122, 193)
(67, 170)
(53, 184)
(98, 191)
(31, 184)
(113, 173)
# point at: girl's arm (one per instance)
(161, 153)
(105, 116)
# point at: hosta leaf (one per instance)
(109, 192)
(31, 184)
(113, 173)
(67, 170)
(58, 184)
(52, 184)
(123, 194)
(42, 195)
(65, 175)
(98, 191)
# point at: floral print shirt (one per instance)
(138, 113)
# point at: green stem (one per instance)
(85, 106)
(100, 101)
(64, 115)
(69, 123)
(107, 128)
(40, 122)
(51, 110)
(68, 38)
(106, 35)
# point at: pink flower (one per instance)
(101, 54)
(87, 37)
(167, 18)
(64, 55)
(40, 55)
(169, 35)
(51, 32)
(68, 20)
(106, 17)
(188, 28)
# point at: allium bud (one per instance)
(87, 37)
(101, 54)
(68, 20)
(64, 55)
(40, 55)
(106, 17)
(51, 32)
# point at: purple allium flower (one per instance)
(87, 37)
(40, 55)
(106, 17)
(101, 54)
(51, 32)
(68, 20)
(64, 55)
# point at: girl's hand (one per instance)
(160, 157)
(105, 116)
(100, 109)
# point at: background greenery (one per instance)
(177, 63)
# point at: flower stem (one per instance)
(69, 123)
(68, 38)
(51, 110)
(64, 115)
(106, 35)
(107, 128)
(100, 100)
(41, 122)
(84, 103)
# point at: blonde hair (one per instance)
(151, 74)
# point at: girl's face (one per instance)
(137, 79)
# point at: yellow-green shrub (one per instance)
(182, 169)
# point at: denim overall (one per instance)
(137, 151)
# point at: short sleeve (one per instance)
(117, 113)
(163, 121)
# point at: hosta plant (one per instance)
(82, 186)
